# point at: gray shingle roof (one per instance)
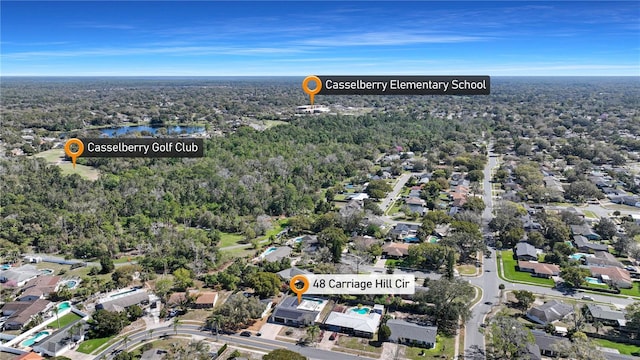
(605, 313)
(401, 329)
(523, 248)
(550, 311)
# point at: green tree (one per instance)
(446, 302)
(606, 228)
(312, 333)
(283, 354)
(384, 333)
(265, 284)
(105, 323)
(574, 275)
(580, 347)
(508, 338)
(182, 279)
(335, 239)
(106, 264)
(525, 298)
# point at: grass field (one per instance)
(227, 239)
(445, 346)
(64, 321)
(358, 344)
(510, 273)
(56, 157)
(634, 291)
(88, 346)
(626, 349)
(467, 269)
(590, 214)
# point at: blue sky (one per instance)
(145, 38)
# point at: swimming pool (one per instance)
(268, 251)
(35, 338)
(361, 311)
(411, 239)
(122, 293)
(5, 267)
(432, 239)
(592, 280)
(70, 284)
(64, 306)
(47, 271)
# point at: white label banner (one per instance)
(353, 284)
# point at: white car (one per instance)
(586, 297)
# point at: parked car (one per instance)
(587, 297)
(245, 333)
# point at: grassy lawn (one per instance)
(56, 156)
(626, 349)
(356, 343)
(64, 321)
(467, 269)
(509, 271)
(88, 346)
(634, 291)
(227, 239)
(279, 226)
(445, 347)
(395, 208)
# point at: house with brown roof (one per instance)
(29, 356)
(395, 250)
(539, 269)
(39, 288)
(20, 313)
(205, 300)
(613, 276)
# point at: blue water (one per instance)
(47, 271)
(63, 306)
(361, 311)
(71, 284)
(5, 267)
(124, 130)
(35, 338)
(592, 280)
(411, 239)
(298, 240)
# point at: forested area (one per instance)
(175, 209)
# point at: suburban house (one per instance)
(289, 312)
(526, 251)
(529, 224)
(403, 332)
(351, 322)
(120, 303)
(549, 312)
(277, 254)
(29, 356)
(39, 288)
(402, 230)
(61, 341)
(586, 231)
(547, 343)
(395, 250)
(205, 300)
(20, 313)
(288, 274)
(604, 259)
(613, 275)
(605, 315)
(583, 244)
(539, 269)
(19, 276)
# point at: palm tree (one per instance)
(125, 340)
(312, 333)
(598, 325)
(150, 333)
(176, 323)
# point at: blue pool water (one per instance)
(269, 251)
(35, 338)
(298, 240)
(361, 311)
(411, 239)
(64, 306)
(47, 271)
(71, 284)
(592, 280)
(5, 267)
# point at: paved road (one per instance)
(265, 345)
(488, 281)
(474, 346)
(397, 189)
